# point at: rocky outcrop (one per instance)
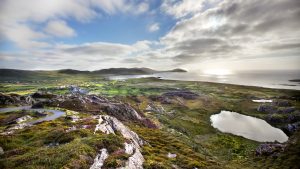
(291, 128)
(42, 95)
(266, 108)
(110, 125)
(122, 111)
(14, 99)
(183, 94)
(162, 99)
(83, 103)
(269, 149)
(155, 108)
(23, 119)
(135, 161)
(282, 103)
(12, 129)
(73, 118)
(99, 160)
(77, 90)
(96, 104)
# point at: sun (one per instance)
(217, 72)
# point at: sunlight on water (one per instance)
(217, 72)
(269, 79)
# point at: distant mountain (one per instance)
(177, 70)
(72, 71)
(125, 71)
(17, 73)
(115, 71)
(119, 71)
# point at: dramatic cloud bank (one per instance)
(234, 33)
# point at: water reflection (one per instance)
(246, 126)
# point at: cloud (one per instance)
(23, 36)
(153, 27)
(235, 29)
(124, 6)
(182, 8)
(205, 31)
(59, 28)
(29, 17)
(132, 60)
(90, 56)
(100, 49)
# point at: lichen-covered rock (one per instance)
(109, 125)
(20, 126)
(135, 161)
(11, 130)
(14, 99)
(123, 111)
(99, 160)
(23, 119)
(129, 148)
(96, 104)
(155, 108)
(104, 126)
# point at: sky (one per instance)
(159, 34)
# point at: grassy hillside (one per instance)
(183, 124)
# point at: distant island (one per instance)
(294, 80)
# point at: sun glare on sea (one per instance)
(218, 72)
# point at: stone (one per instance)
(267, 109)
(135, 161)
(155, 108)
(23, 119)
(109, 125)
(129, 148)
(1, 151)
(99, 160)
(20, 126)
(269, 149)
(170, 155)
(73, 128)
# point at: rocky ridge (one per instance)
(110, 125)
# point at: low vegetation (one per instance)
(182, 129)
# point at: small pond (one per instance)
(247, 126)
(54, 113)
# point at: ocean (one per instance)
(264, 78)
